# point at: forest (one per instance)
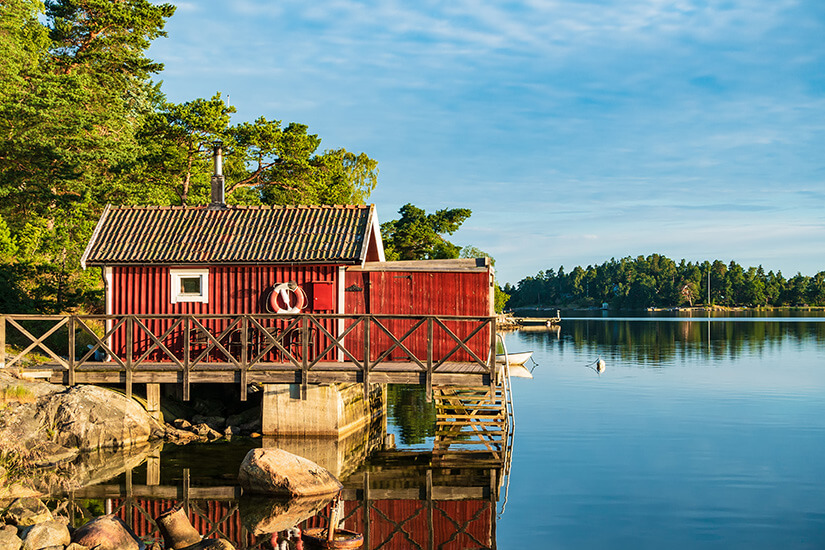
(659, 282)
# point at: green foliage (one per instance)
(657, 281)
(83, 125)
(418, 235)
(500, 298)
(416, 418)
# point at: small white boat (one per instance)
(518, 358)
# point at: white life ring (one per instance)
(287, 298)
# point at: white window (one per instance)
(189, 285)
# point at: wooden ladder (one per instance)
(472, 421)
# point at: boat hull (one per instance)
(515, 358)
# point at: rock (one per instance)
(205, 431)
(35, 388)
(182, 424)
(76, 546)
(261, 515)
(217, 423)
(82, 417)
(107, 533)
(96, 466)
(249, 416)
(181, 437)
(17, 489)
(46, 535)
(88, 417)
(208, 406)
(176, 529)
(231, 430)
(277, 472)
(49, 453)
(28, 511)
(9, 539)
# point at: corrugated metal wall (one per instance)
(146, 290)
(245, 289)
(465, 293)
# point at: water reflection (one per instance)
(397, 499)
(657, 341)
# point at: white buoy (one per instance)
(598, 365)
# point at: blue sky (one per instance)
(575, 130)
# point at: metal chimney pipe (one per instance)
(217, 158)
(218, 192)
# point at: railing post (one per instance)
(304, 356)
(187, 354)
(429, 388)
(367, 323)
(244, 354)
(130, 348)
(493, 364)
(71, 350)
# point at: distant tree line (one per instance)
(658, 281)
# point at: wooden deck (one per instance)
(396, 372)
(248, 349)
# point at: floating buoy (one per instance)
(598, 365)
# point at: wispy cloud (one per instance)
(576, 129)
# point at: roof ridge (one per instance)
(245, 207)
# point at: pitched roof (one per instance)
(236, 235)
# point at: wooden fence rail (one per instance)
(247, 348)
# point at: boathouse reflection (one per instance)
(397, 500)
(441, 498)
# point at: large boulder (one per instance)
(107, 533)
(9, 539)
(28, 511)
(89, 417)
(81, 417)
(46, 535)
(277, 472)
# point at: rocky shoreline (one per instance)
(54, 438)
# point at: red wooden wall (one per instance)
(465, 293)
(145, 290)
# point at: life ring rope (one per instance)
(287, 298)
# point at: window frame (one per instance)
(176, 295)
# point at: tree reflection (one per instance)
(415, 417)
(659, 341)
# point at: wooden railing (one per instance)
(250, 345)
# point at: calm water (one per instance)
(699, 434)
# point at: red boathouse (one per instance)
(278, 262)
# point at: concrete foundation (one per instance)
(335, 410)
